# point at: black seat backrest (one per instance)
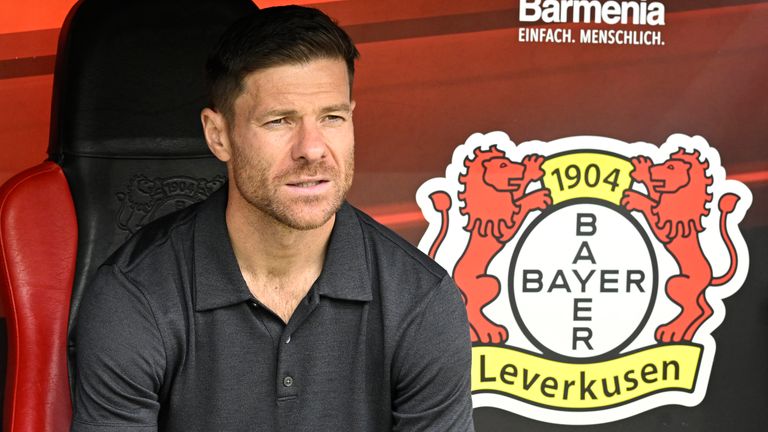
(128, 89)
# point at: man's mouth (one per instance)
(307, 184)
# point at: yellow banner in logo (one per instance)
(587, 175)
(584, 386)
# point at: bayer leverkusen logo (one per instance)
(593, 270)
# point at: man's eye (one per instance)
(334, 118)
(277, 122)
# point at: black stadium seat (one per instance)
(126, 134)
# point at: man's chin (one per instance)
(307, 216)
(305, 222)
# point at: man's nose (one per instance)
(310, 143)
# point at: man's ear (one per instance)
(215, 130)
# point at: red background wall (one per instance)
(433, 72)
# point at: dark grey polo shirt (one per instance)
(169, 338)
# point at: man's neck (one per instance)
(278, 263)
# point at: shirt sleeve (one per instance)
(119, 360)
(431, 367)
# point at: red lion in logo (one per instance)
(674, 207)
(496, 204)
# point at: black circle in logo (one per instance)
(583, 280)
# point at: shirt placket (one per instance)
(291, 350)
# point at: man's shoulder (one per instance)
(394, 252)
(410, 286)
(406, 279)
(157, 242)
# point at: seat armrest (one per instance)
(38, 248)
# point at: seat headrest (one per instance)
(129, 78)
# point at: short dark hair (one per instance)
(275, 36)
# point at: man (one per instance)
(274, 305)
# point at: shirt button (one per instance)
(288, 340)
(287, 381)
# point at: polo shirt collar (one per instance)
(218, 281)
(345, 272)
(217, 276)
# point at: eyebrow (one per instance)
(279, 113)
(292, 113)
(335, 108)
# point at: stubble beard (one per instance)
(304, 213)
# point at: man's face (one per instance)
(292, 142)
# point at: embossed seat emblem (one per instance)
(145, 199)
